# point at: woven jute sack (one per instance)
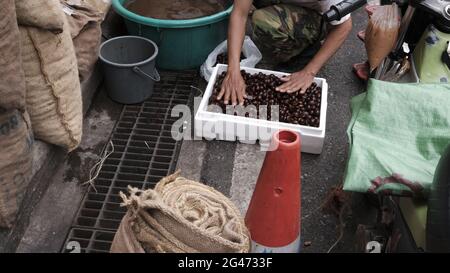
(53, 88)
(125, 241)
(15, 163)
(12, 79)
(180, 216)
(44, 14)
(85, 30)
(101, 6)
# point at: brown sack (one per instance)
(181, 216)
(125, 241)
(381, 34)
(87, 46)
(45, 14)
(101, 6)
(15, 163)
(12, 79)
(86, 33)
(53, 88)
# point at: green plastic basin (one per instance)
(183, 44)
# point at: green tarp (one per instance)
(397, 135)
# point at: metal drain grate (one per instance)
(144, 152)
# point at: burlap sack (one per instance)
(125, 241)
(15, 163)
(181, 216)
(53, 88)
(44, 14)
(12, 79)
(101, 6)
(85, 30)
(87, 46)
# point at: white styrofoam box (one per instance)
(220, 126)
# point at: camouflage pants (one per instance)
(283, 31)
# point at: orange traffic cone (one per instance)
(273, 216)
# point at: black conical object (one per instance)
(438, 217)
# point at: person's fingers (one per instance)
(241, 95)
(221, 93)
(294, 89)
(308, 85)
(282, 88)
(286, 78)
(233, 96)
(305, 87)
(288, 87)
(300, 87)
(227, 95)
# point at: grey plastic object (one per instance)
(128, 64)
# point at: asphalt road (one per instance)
(232, 168)
(322, 172)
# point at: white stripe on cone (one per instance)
(293, 247)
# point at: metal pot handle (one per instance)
(156, 76)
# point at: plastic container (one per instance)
(128, 64)
(220, 126)
(183, 44)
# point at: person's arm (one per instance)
(233, 86)
(302, 80)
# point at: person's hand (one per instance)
(298, 81)
(233, 87)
